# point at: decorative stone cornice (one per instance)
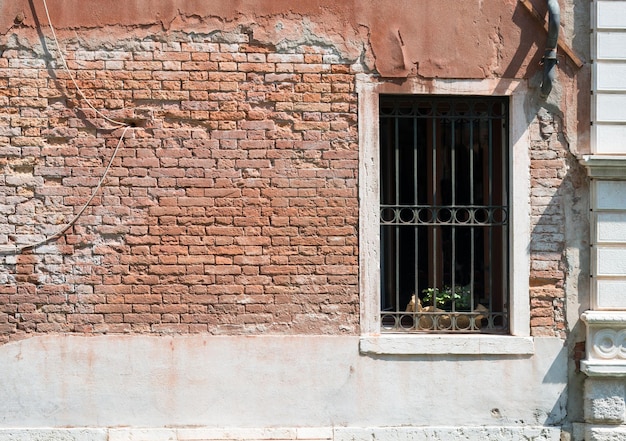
(605, 166)
(605, 318)
(606, 343)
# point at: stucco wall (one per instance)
(271, 381)
(474, 39)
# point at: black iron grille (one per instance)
(444, 213)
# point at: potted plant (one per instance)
(448, 299)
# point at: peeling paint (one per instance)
(447, 45)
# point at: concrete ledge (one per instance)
(509, 433)
(54, 434)
(168, 434)
(212, 434)
(399, 344)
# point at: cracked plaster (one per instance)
(382, 32)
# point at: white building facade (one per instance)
(605, 363)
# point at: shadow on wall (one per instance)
(559, 248)
(530, 39)
(554, 375)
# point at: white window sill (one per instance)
(466, 344)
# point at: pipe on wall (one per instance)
(549, 57)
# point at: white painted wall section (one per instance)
(611, 293)
(612, 227)
(611, 14)
(611, 76)
(609, 244)
(611, 45)
(609, 195)
(270, 382)
(609, 71)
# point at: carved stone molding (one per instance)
(609, 344)
(606, 343)
(605, 166)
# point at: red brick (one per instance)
(236, 204)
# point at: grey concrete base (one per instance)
(605, 401)
(510, 433)
(605, 409)
(605, 433)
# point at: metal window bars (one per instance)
(444, 213)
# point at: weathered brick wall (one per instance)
(555, 179)
(230, 208)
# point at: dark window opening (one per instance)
(444, 213)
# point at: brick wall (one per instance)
(231, 207)
(553, 173)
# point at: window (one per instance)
(444, 213)
(509, 306)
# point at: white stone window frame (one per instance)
(372, 341)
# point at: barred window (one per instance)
(444, 214)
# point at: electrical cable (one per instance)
(16, 249)
(67, 226)
(80, 91)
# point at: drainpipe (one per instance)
(549, 57)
